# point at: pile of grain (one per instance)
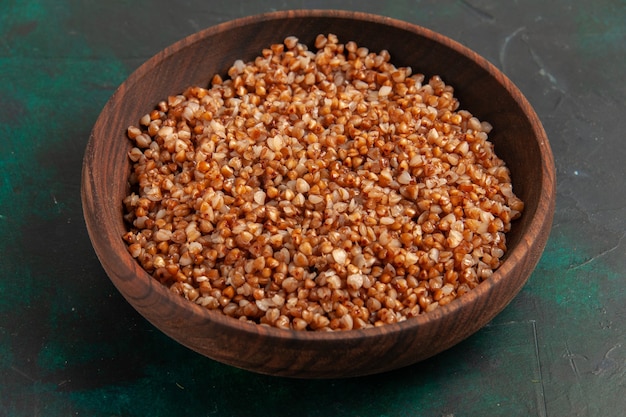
(322, 190)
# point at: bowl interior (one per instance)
(481, 89)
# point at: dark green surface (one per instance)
(70, 345)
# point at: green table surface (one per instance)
(71, 346)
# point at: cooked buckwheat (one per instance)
(324, 190)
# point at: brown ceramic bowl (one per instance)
(483, 90)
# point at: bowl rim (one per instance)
(541, 220)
